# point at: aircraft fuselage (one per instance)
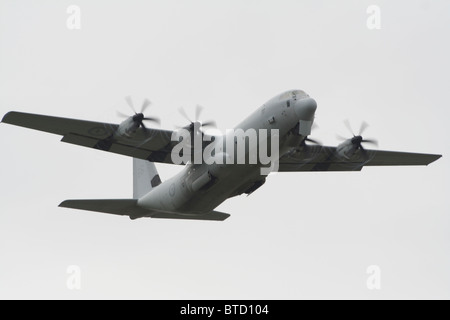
(200, 188)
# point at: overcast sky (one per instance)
(303, 235)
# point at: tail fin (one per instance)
(145, 177)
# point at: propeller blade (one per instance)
(198, 112)
(349, 127)
(184, 114)
(192, 125)
(339, 137)
(313, 141)
(363, 128)
(130, 103)
(153, 119)
(122, 115)
(209, 124)
(145, 105)
(143, 126)
(364, 152)
(371, 141)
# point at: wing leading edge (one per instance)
(317, 158)
(154, 145)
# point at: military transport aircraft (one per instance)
(198, 189)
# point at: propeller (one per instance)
(316, 142)
(139, 118)
(358, 140)
(198, 112)
(312, 141)
(309, 150)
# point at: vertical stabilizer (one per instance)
(145, 177)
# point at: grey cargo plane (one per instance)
(198, 189)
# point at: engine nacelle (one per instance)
(350, 147)
(346, 150)
(127, 128)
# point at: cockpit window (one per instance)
(295, 94)
(300, 94)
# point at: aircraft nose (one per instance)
(306, 108)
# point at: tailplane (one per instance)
(145, 179)
(130, 208)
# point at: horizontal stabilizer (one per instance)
(211, 216)
(125, 207)
(130, 208)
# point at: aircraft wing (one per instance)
(154, 145)
(318, 158)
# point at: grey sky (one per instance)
(302, 235)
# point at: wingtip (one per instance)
(222, 216)
(5, 117)
(9, 117)
(436, 158)
(63, 204)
